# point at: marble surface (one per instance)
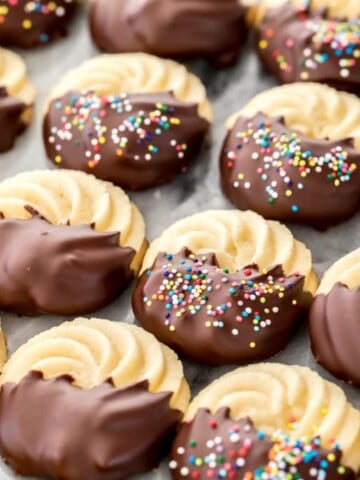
(194, 191)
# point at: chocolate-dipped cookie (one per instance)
(278, 165)
(17, 96)
(29, 24)
(334, 320)
(170, 28)
(302, 43)
(85, 242)
(109, 382)
(216, 446)
(291, 406)
(212, 316)
(138, 139)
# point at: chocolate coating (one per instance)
(213, 316)
(334, 326)
(214, 445)
(59, 269)
(11, 124)
(29, 24)
(52, 429)
(303, 45)
(136, 141)
(284, 175)
(171, 28)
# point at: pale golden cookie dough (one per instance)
(238, 239)
(93, 350)
(345, 270)
(64, 196)
(115, 74)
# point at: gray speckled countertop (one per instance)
(192, 192)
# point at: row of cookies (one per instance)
(316, 40)
(117, 386)
(86, 242)
(283, 158)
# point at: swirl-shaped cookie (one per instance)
(293, 153)
(68, 267)
(17, 96)
(137, 139)
(127, 420)
(28, 24)
(170, 28)
(290, 398)
(194, 296)
(334, 321)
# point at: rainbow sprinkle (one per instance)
(284, 154)
(87, 112)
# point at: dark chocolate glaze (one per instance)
(171, 28)
(29, 24)
(147, 138)
(284, 175)
(11, 124)
(216, 317)
(212, 445)
(59, 269)
(53, 429)
(334, 325)
(304, 45)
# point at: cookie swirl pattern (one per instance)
(237, 239)
(314, 110)
(135, 73)
(277, 396)
(76, 198)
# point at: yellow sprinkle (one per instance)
(304, 76)
(58, 159)
(178, 314)
(324, 411)
(172, 328)
(4, 10)
(331, 457)
(27, 24)
(341, 470)
(294, 302)
(241, 176)
(149, 303)
(288, 193)
(102, 140)
(252, 344)
(52, 6)
(356, 53)
(208, 324)
(262, 300)
(263, 44)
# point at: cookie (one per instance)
(29, 24)
(17, 96)
(111, 383)
(334, 322)
(202, 294)
(316, 41)
(293, 154)
(196, 28)
(280, 400)
(85, 241)
(133, 119)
